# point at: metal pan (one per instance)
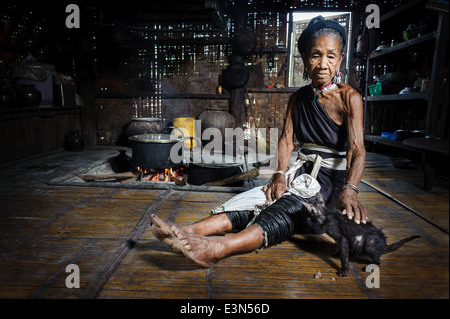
(153, 150)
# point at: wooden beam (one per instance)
(238, 95)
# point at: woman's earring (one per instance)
(337, 77)
(305, 75)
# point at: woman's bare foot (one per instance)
(205, 251)
(163, 232)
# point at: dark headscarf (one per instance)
(315, 24)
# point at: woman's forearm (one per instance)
(355, 166)
(284, 154)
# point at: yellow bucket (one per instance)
(186, 125)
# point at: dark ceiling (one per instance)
(195, 10)
(216, 12)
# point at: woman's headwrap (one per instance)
(315, 24)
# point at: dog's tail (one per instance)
(400, 243)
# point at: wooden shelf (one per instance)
(404, 45)
(380, 140)
(398, 97)
(194, 96)
(28, 112)
(418, 106)
(428, 144)
(273, 90)
(269, 50)
(224, 96)
(170, 41)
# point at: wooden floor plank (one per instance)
(151, 271)
(95, 286)
(406, 185)
(40, 264)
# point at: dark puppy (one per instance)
(350, 237)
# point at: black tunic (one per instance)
(312, 124)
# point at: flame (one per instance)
(160, 175)
(167, 176)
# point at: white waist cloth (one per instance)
(305, 185)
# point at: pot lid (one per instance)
(155, 138)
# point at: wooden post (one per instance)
(85, 76)
(238, 95)
(435, 125)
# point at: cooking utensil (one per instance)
(213, 168)
(393, 82)
(243, 43)
(121, 163)
(153, 150)
(235, 76)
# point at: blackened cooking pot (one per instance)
(235, 76)
(208, 171)
(153, 150)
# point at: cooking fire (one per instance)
(176, 175)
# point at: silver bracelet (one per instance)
(356, 189)
(279, 172)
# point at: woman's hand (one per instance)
(276, 188)
(349, 204)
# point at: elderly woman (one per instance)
(327, 118)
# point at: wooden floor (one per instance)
(44, 228)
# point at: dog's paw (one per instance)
(343, 273)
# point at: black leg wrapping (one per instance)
(240, 219)
(281, 219)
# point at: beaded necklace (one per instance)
(318, 91)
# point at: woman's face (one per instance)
(323, 59)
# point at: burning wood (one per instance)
(162, 175)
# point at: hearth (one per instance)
(174, 178)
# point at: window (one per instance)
(299, 22)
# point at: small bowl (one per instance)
(406, 90)
(388, 136)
